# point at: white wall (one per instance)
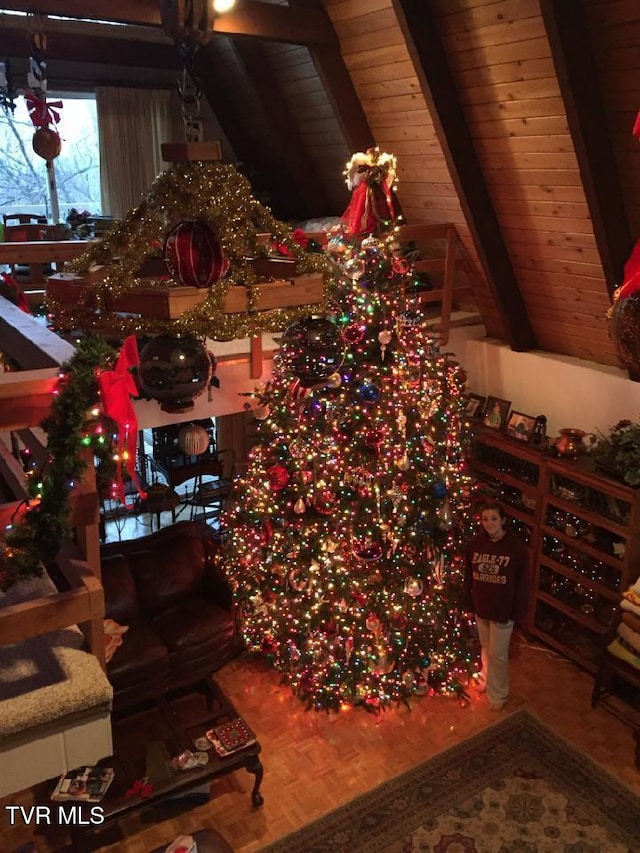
(571, 392)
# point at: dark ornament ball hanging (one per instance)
(312, 350)
(174, 371)
(625, 330)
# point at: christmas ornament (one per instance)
(334, 381)
(374, 437)
(370, 176)
(299, 507)
(439, 490)
(384, 339)
(353, 333)
(367, 550)
(324, 502)
(312, 350)
(369, 393)
(296, 581)
(278, 477)
(173, 371)
(404, 463)
(193, 440)
(413, 587)
(372, 623)
(445, 516)
(46, 143)
(261, 413)
(193, 254)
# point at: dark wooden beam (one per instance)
(300, 165)
(430, 60)
(250, 18)
(248, 130)
(94, 49)
(337, 82)
(579, 85)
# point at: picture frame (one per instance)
(495, 413)
(520, 426)
(473, 406)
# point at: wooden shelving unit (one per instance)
(584, 532)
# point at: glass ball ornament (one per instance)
(312, 350)
(174, 371)
(369, 393)
(193, 440)
(193, 254)
(439, 490)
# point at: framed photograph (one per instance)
(473, 406)
(520, 426)
(495, 413)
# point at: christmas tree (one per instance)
(344, 540)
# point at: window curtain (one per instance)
(132, 124)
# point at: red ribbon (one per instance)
(636, 127)
(370, 204)
(631, 282)
(42, 114)
(116, 389)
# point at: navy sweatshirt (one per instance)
(497, 573)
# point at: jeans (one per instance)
(494, 643)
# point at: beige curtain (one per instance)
(132, 125)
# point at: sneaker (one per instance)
(497, 706)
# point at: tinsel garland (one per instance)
(199, 189)
(35, 538)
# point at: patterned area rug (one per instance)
(515, 788)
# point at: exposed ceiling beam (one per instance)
(578, 78)
(337, 82)
(248, 130)
(430, 60)
(250, 18)
(94, 49)
(299, 163)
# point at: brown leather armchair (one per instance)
(178, 607)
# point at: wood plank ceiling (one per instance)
(510, 118)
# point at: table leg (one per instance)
(255, 766)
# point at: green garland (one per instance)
(35, 539)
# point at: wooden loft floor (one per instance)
(314, 763)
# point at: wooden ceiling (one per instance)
(511, 118)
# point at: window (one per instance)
(23, 179)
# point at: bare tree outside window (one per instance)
(23, 178)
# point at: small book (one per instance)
(84, 784)
(232, 736)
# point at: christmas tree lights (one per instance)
(344, 540)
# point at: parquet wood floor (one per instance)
(315, 762)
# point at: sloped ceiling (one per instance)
(513, 119)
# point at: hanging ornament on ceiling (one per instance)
(174, 371)
(312, 350)
(193, 254)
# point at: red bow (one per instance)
(116, 389)
(42, 114)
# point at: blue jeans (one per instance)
(494, 642)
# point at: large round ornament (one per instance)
(46, 143)
(174, 371)
(193, 440)
(193, 254)
(312, 350)
(625, 330)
